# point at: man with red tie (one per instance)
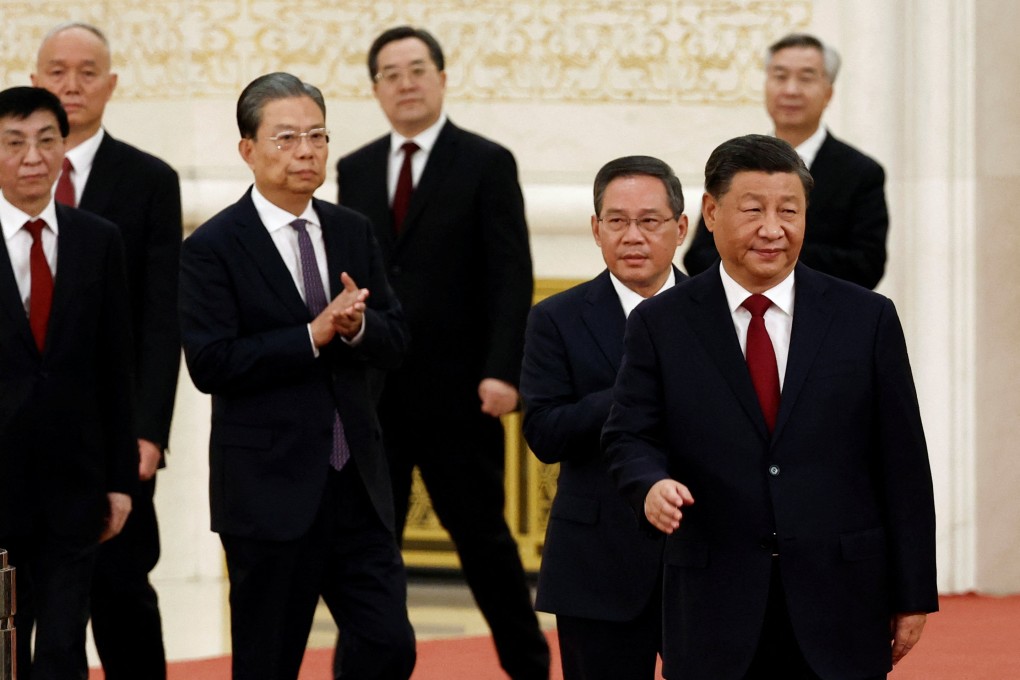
(68, 460)
(781, 452)
(141, 195)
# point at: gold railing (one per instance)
(530, 486)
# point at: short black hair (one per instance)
(22, 101)
(752, 153)
(400, 33)
(631, 166)
(265, 89)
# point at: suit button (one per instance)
(395, 270)
(774, 470)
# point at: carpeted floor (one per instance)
(972, 638)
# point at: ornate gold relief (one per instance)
(649, 51)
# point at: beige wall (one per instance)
(569, 85)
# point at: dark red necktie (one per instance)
(761, 359)
(65, 189)
(40, 296)
(402, 196)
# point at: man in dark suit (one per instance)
(68, 462)
(449, 215)
(847, 218)
(600, 573)
(794, 486)
(141, 195)
(299, 487)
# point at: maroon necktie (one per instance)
(315, 299)
(40, 297)
(65, 189)
(402, 196)
(761, 359)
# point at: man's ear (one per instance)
(708, 210)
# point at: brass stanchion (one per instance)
(8, 605)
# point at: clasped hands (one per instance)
(343, 316)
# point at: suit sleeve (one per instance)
(222, 355)
(907, 482)
(508, 275)
(633, 439)
(860, 254)
(702, 253)
(158, 344)
(116, 377)
(559, 422)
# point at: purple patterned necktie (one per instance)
(315, 298)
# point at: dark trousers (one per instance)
(126, 624)
(611, 650)
(349, 558)
(53, 579)
(778, 655)
(463, 473)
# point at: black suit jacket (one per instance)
(66, 438)
(461, 267)
(847, 219)
(597, 563)
(843, 482)
(141, 194)
(246, 342)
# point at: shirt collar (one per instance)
(629, 299)
(12, 219)
(84, 155)
(781, 295)
(808, 149)
(425, 139)
(274, 217)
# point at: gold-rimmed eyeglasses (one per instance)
(16, 145)
(288, 139)
(392, 76)
(649, 224)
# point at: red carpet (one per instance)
(972, 638)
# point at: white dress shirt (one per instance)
(778, 317)
(82, 158)
(19, 243)
(629, 299)
(426, 140)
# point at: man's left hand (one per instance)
(116, 514)
(498, 397)
(906, 630)
(347, 310)
(149, 456)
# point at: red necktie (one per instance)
(65, 189)
(402, 196)
(761, 359)
(40, 297)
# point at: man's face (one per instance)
(409, 87)
(75, 65)
(797, 89)
(31, 153)
(287, 177)
(758, 227)
(638, 256)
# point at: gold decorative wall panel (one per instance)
(651, 51)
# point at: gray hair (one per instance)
(830, 56)
(267, 88)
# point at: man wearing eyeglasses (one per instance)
(285, 308)
(141, 195)
(600, 573)
(68, 457)
(449, 214)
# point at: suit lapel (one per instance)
(604, 318)
(337, 250)
(255, 241)
(71, 270)
(104, 176)
(372, 191)
(713, 324)
(811, 321)
(10, 300)
(437, 168)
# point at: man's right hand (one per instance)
(663, 503)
